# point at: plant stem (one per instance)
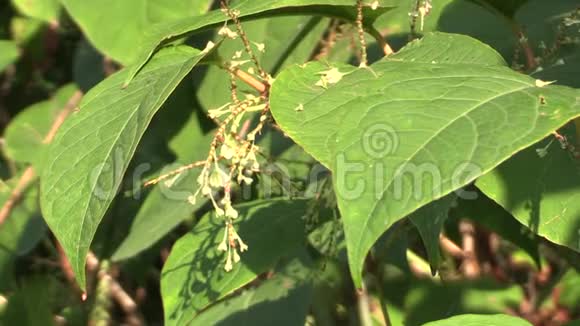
(361, 33)
(470, 265)
(363, 301)
(251, 81)
(387, 50)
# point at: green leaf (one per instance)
(449, 48)
(31, 305)
(480, 320)
(90, 153)
(19, 233)
(569, 290)
(167, 205)
(28, 34)
(24, 135)
(8, 53)
(401, 134)
(541, 192)
(116, 28)
(161, 34)
(427, 301)
(429, 221)
(45, 10)
(281, 300)
(193, 276)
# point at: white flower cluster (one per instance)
(232, 158)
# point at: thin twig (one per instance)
(450, 247)
(29, 174)
(328, 42)
(531, 62)
(387, 49)
(17, 193)
(233, 15)
(248, 79)
(470, 265)
(174, 172)
(361, 33)
(69, 107)
(363, 301)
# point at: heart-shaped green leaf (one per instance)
(403, 133)
(89, 155)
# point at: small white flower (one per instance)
(244, 179)
(228, 266)
(243, 246)
(237, 55)
(260, 46)
(216, 113)
(223, 246)
(210, 45)
(227, 152)
(219, 211)
(169, 182)
(236, 255)
(541, 83)
(231, 212)
(238, 63)
(218, 178)
(226, 32)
